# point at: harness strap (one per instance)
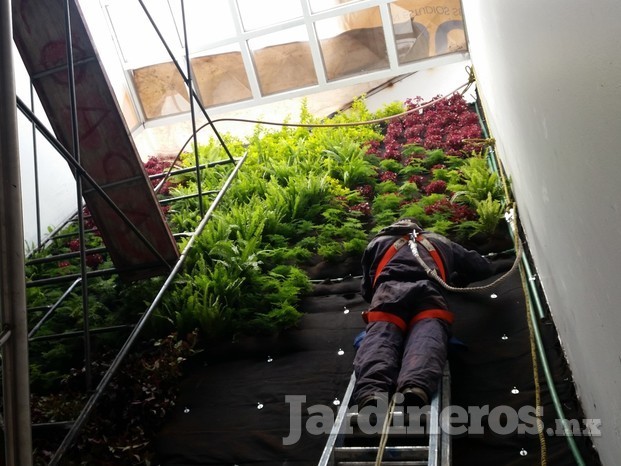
(380, 316)
(434, 254)
(442, 314)
(392, 250)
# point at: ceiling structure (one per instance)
(243, 53)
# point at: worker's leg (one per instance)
(424, 356)
(377, 361)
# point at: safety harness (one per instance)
(443, 314)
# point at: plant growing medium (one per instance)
(304, 197)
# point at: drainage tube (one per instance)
(534, 306)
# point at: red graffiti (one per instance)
(54, 55)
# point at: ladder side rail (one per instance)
(327, 457)
(445, 438)
(434, 426)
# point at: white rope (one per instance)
(433, 274)
(385, 428)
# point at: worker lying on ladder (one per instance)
(408, 321)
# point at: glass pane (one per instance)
(137, 40)
(206, 22)
(161, 90)
(257, 14)
(283, 60)
(221, 77)
(322, 5)
(424, 29)
(352, 44)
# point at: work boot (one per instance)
(414, 396)
(371, 413)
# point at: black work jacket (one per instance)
(404, 282)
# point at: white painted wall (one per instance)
(550, 77)
(428, 84)
(57, 193)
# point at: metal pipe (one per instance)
(79, 333)
(5, 336)
(191, 169)
(92, 401)
(75, 139)
(15, 370)
(174, 60)
(80, 170)
(52, 309)
(170, 172)
(36, 170)
(187, 196)
(66, 255)
(72, 277)
(188, 82)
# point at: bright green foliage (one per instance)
(303, 195)
(409, 190)
(386, 187)
(434, 157)
(289, 203)
(490, 211)
(479, 181)
(390, 109)
(442, 227)
(413, 149)
(390, 165)
(415, 210)
(347, 163)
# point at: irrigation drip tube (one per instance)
(532, 297)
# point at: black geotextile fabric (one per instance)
(233, 407)
(217, 419)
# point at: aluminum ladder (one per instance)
(421, 444)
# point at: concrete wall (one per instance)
(550, 77)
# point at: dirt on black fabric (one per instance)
(236, 403)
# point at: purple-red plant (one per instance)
(155, 166)
(363, 207)
(388, 176)
(442, 125)
(94, 260)
(457, 213)
(366, 190)
(373, 147)
(418, 179)
(435, 187)
(89, 222)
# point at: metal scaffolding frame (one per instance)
(15, 336)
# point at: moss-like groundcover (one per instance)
(305, 197)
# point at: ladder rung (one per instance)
(391, 453)
(385, 461)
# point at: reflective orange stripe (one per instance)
(392, 250)
(379, 316)
(441, 314)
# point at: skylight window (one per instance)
(245, 52)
